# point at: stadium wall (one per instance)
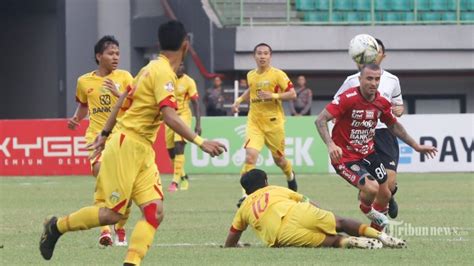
(47, 147)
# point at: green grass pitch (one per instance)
(436, 218)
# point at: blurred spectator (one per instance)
(243, 86)
(214, 99)
(304, 98)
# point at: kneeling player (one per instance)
(284, 218)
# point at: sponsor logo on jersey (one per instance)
(90, 90)
(103, 109)
(369, 114)
(355, 168)
(357, 114)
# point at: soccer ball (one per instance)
(363, 49)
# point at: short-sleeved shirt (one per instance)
(185, 91)
(264, 209)
(389, 88)
(153, 88)
(356, 119)
(273, 80)
(99, 100)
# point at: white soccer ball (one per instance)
(363, 49)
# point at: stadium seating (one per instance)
(352, 11)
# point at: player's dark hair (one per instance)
(171, 35)
(380, 43)
(372, 66)
(262, 44)
(102, 44)
(253, 180)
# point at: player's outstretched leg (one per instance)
(355, 228)
(337, 241)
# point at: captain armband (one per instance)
(275, 96)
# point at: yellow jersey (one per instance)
(264, 210)
(152, 89)
(273, 80)
(185, 91)
(99, 100)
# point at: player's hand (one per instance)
(427, 149)
(73, 123)
(197, 129)
(110, 85)
(242, 245)
(98, 146)
(214, 148)
(235, 107)
(397, 110)
(335, 153)
(264, 95)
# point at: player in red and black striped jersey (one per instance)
(351, 147)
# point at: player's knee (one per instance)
(369, 185)
(279, 160)
(153, 214)
(250, 158)
(108, 216)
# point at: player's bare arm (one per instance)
(398, 130)
(335, 152)
(110, 85)
(285, 96)
(197, 115)
(243, 98)
(99, 142)
(398, 110)
(232, 240)
(172, 120)
(81, 113)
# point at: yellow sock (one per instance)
(140, 241)
(365, 230)
(85, 218)
(123, 221)
(246, 167)
(178, 167)
(288, 170)
(104, 228)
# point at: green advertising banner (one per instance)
(304, 147)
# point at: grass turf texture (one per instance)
(197, 221)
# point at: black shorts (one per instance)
(355, 172)
(386, 146)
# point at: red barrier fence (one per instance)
(48, 147)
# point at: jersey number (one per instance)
(104, 99)
(380, 172)
(260, 205)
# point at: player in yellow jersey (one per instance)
(284, 218)
(128, 171)
(186, 91)
(268, 87)
(96, 94)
